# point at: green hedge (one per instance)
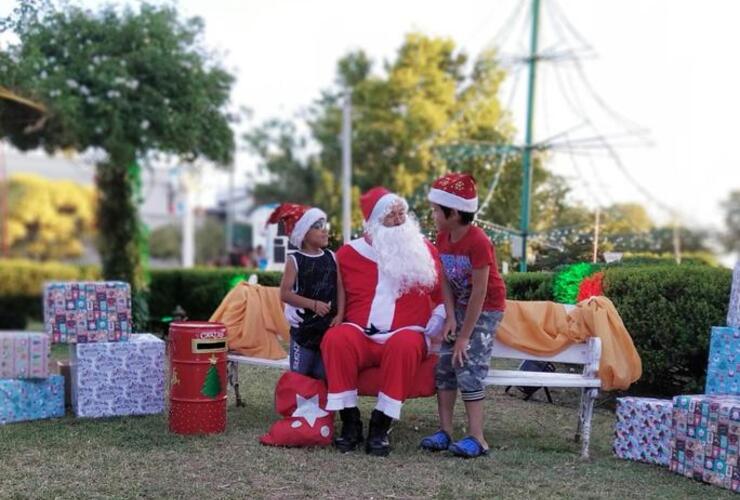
(198, 291)
(668, 310)
(21, 283)
(529, 286)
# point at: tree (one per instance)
(731, 237)
(48, 219)
(291, 177)
(212, 383)
(624, 218)
(422, 100)
(127, 82)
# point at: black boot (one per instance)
(351, 430)
(378, 443)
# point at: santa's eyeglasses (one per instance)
(320, 224)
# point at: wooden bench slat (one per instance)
(274, 363)
(537, 379)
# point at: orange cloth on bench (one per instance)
(544, 329)
(254, 320)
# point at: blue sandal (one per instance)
(468, 447)
(438, 441)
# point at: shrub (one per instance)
(21, 286)
(669, 311)
(529, 286)
(198, 291)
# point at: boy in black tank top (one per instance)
(311, 286)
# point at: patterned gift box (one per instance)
(724, 361)
(643, 430)
(87, 311)
(733, 312)
(24, 355)
(31, 399)
(706, 432)
(118, 378)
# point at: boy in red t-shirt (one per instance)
(476, 297)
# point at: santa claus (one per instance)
(391, 279)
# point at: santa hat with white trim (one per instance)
(455, 190)
(376, 201)
(297, 220)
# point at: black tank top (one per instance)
(316, 278)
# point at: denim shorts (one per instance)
(306, 361)
(469, 377)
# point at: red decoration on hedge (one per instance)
(301, 400)
(591, 287)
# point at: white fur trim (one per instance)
(453, 201)
(382, 205)
(304, 224)
(361, 246)
(341, 400)
(389, 406)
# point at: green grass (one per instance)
(533, 455)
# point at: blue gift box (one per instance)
(733, 312)
(723, 368)
(118, 378)
(643, 430)
(31, 399)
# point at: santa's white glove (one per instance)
(435, 323)
(294, 315)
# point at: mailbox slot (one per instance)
(209, 345)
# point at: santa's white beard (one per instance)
(403, 255)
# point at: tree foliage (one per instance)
(428, 96)
(48, 219)
(126, 81)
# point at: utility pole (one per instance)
(676, 240)
(188, 222)
(230, 211)
(527, 153)
(596, 234)
(347, 167)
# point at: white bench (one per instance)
(587, 354)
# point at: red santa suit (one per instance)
(379, 329)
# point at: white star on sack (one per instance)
(308, 409)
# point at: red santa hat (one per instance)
(455, 190)
(297, 220)
(375, 202)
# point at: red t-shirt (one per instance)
(473, 251)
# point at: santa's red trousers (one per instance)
(346, 351)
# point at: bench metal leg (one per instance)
(232, 370)
(588, 396)
(577, 437)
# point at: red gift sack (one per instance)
(301, 400)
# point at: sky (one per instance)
(667, 66)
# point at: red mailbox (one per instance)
(197, 377)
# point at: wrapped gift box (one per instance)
(118, 378)
(724, 361)
(706, 431)
(31, 399)
(87, 311)
(733, 312)
(643, 430)
(24, 355)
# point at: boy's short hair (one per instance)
(465, 217)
